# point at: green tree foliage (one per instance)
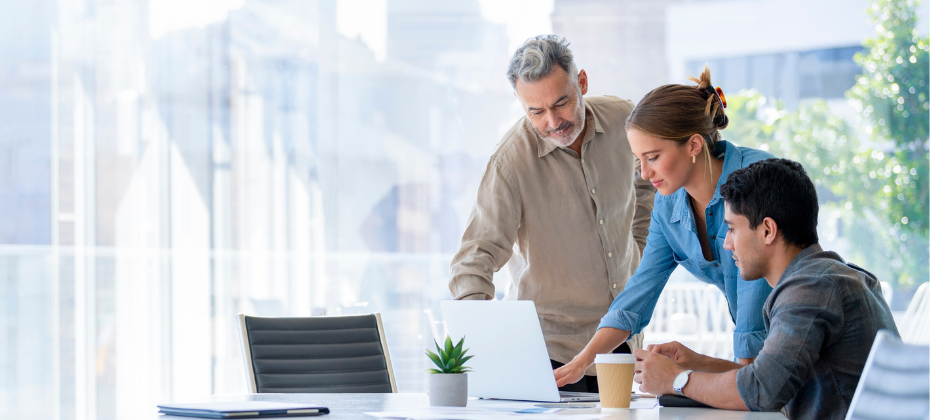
(892, 94)
(871, 170)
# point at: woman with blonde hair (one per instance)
(675, 133)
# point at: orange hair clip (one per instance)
(723, 99)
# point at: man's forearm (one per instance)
(714, 365)
(715, 389)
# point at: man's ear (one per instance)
(769, 230)
(583, 82)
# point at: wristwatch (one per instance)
(680, 381)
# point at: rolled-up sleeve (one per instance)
(632, 309)
(802, 320)
(645, 199)
(749, 334)
(488, 240)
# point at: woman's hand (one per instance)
(605, 340)
(571, 372)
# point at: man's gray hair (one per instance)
(535, 58)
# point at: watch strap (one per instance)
(678, 390)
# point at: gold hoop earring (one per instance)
(693, 159)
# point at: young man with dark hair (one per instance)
(821, 317)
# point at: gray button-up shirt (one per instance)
(579, 223)
(821, 317)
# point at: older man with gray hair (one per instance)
(563, 185)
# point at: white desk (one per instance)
(354, 407)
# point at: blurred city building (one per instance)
(162, 171)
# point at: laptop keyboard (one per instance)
(576, 394)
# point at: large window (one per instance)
(165, 165)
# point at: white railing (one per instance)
(694, 314)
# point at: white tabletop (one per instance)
(354, 406)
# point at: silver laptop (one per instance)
(511, 361)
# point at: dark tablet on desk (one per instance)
(241, 410)
(672, 400)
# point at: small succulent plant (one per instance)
(449, 359)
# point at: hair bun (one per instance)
(721, 120)
(703, 80)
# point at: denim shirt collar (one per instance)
(732, 160)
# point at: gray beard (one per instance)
(575, 133)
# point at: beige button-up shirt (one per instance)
(578, 221)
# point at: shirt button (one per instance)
(710, 214)
(602, 221)
(582, 160)
(592, 190)
(716, 265)
(713, 236)
(615, 285)
(610, 254)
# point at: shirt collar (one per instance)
(543, 147)
(732, 160)
(797, 259)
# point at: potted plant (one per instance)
(448, 385)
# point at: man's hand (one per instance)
(678, 353)
(571, 372)
(654, 372)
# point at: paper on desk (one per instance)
(464, 413)
(644, 403)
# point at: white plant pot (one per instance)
(448, 389)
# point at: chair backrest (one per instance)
(326, 354)
(695, 313)
(915, 326)
(895, 382)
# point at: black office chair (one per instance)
(327, 354)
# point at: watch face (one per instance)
(680, 381)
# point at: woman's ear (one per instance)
(695, 144)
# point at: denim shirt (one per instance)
(673, 240)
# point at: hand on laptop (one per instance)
(681, 355)
(570, 373)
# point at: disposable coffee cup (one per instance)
(615, 379)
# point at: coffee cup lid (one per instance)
(619, 358)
